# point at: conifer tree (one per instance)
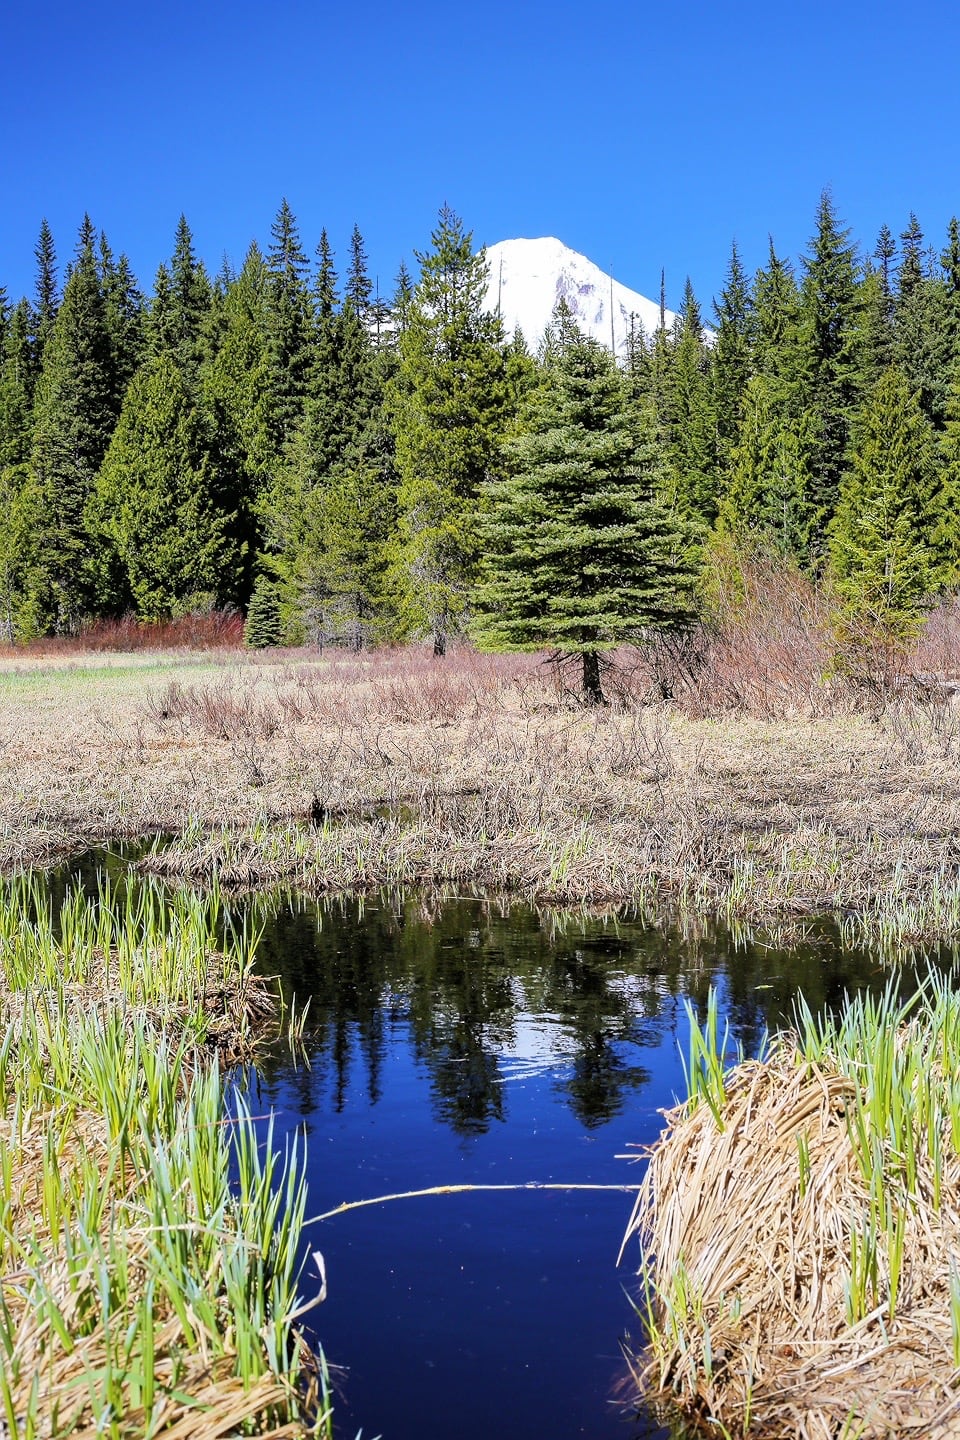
(923, 339)
(16, 386)
(776, 327)
(188, 302)
(447, 403)
(263, 626)
(731, 357)
(74, 415)
(887, 538)
(46, 291)
(290, 324)
(359, 286)
(693, 481)
(581, 553)
(829, 315)
(767, 500)
(162, 503)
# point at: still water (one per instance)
(469, 1043)
(472, 1044)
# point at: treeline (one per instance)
(346, 469)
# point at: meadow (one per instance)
(743, 773)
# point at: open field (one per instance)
(338, 772)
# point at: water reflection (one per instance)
(489, 994)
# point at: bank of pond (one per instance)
(195, 1091)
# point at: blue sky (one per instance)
(642, 134)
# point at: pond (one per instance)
(472, 1043)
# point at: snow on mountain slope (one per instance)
(528, 277)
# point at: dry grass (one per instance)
(800, 1227)
(343, 772)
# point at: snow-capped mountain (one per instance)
(528, 277)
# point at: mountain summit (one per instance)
(528, 277)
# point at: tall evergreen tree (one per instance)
(74, 415)
(47, 292)
(923, 332)
(731, 358)
(887, 538)
(290, 323)
(581, 552)
(161, 502)
(16, 386)
(447, 401)
(693, 483)
(359, 287)
(828, 333)
(767, 500)
(189, 300)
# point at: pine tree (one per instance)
(767, 501)
(46, 291)
(126, 318)
(581, 553)
(74, 415)
(828, 331)
(290, 324)
(731, 357)
(887, 538)
(263, 626)
(776, 327)
(447, 404)
(693, 481)
(923, 333)
(162, 503)
(16, 386)
(359, 287)
(188, 301)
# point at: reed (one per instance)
(801, 1238)
(149, 1241)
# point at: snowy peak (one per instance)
(528, 278)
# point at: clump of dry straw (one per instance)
(800, 1222)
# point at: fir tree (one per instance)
(359, 287)
(189, 300)
(263, 626)
(16, 386)
(290, 324)
(74, 415)
(47, 292)
(731, 358)
(581, 553)
(447, 402)
(692, 481)
(923, 333)
(162, 503)
(767, 501)
(886, 540)
(829, 314)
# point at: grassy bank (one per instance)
(149, 1267)
(350, 772)
(800, 1223)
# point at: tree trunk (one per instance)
(592, 689)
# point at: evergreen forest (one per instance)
(351, 470)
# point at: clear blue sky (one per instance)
(641, 134)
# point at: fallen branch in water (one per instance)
(460, 1190)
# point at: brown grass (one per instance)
(754, 790)
(760, 1342)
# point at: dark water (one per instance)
(474, 1045)
(467, 1043)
